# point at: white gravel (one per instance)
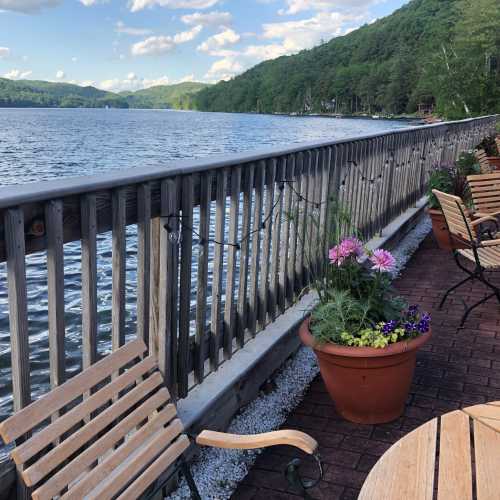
(217, 472)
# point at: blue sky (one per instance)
(132, 44)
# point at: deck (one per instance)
(457, 368)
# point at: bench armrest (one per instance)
(245, 442)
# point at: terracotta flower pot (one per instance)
(368, 385)
(440, 230)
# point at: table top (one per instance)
(457, 453)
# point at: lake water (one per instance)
(43, 144)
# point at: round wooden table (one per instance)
(466, 466)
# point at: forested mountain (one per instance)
(31, 93)
(177, 96)
(442, 53)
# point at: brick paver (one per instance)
(457, 368)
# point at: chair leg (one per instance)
(186, 471)
(482, 301)
(454, 287)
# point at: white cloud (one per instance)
(224, 69)
(134, 82)
(214, 18)
(60, 75)
(305, 33)
(296, 6)
(4, 52)
(17, 74)
(215, 42)
(155, 45)
(187, 78)
(136, 5)
(127, 30)
(74, 59)
(187, 36)
(27, 6)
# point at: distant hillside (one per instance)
(32, 93)
(429, 52)
(177, 96)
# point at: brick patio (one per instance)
(458, 367)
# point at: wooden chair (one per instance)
(497, 141)
(112, 432)
(483, 161)
(485, 191)
(483, 253)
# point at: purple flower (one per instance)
(335, 255)
(412, 310)
(410, 327)
(382, 261)
(389, 327)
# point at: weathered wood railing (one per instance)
(198, 300)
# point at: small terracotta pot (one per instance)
(440, 230)
(368, 385)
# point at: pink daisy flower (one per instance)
(335, 255)
(352, 246)
(382, 261)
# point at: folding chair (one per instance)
(484, 254)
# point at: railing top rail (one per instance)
(19, 194)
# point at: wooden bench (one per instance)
(112, 432)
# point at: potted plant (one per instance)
(364, 335)
(489, 145)
(452, 179)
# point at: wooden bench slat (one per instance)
(455, 471)
(25, 451)
(73, 469)
(153, 450)
(166, 459)
(32, 475)
(486, 446)
(111, 462)
(39, 410)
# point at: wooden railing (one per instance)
(244, 221)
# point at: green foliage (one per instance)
(452, 179)
(342, 313)
(32, 93)
(390, 66)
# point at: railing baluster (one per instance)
(302, 224)
(118, 273)
(185, 282)
(202, 282)
(216, 313)
(276, 240)
(253, 311)
(229, 307)
(168, 285)
(287, 175)
(266, 244)
(55, 282)
(18, 307)
(89, 279)
(247, 188)
(143, 261)
(294, 230)
(323, 209)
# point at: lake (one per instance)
(43, 144)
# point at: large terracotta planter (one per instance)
(440, 230)
(368, 385)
